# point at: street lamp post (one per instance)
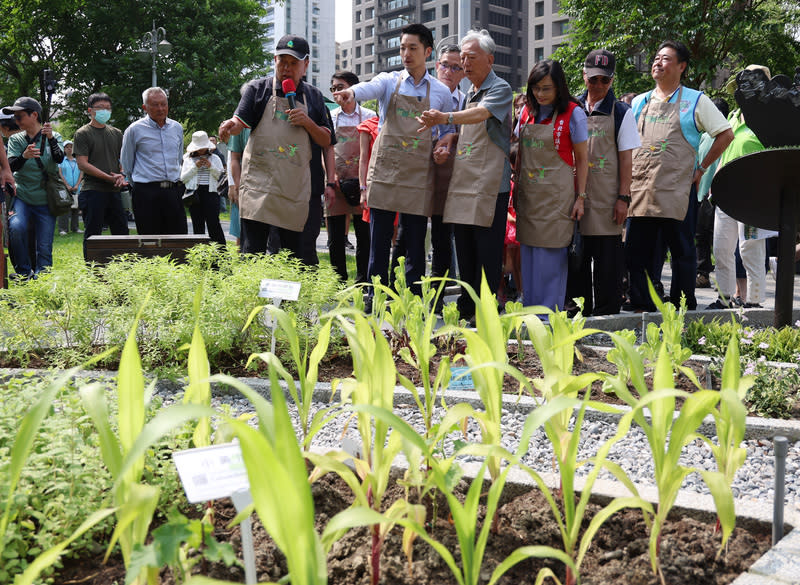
(157, 44)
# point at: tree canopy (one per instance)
(720, 34)
(95, 46)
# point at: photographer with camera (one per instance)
(37, 142)
(200, 172)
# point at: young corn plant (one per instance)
(279, 484)
(471, 519)
(669, 335)
(420, 351)
(555, 346)
(667, 434)
(373, 385)
(307, 367)
(124, 453)
(730, 420)
(487, 358)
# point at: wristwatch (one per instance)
(581, 195)
(450, 118)
(625, 198)
(331, 184)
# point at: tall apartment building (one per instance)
(312, 20)
(547, 29)
(377, 24)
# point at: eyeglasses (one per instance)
(337, 88)
(453, 68)
(599, 79)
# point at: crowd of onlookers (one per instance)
(550, 196)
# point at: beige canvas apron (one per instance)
(441, 183)
(347, 152)
(664, 165)
(477, 174)
(400, 174)
(545, 191)
(276, 177)
(602, 184)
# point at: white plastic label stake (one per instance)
(209, 473)
(286, 290)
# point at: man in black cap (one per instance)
(612, 138)
(282, 174)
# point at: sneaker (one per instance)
(717, 305)
(702, 281)
(78, 231)
(752, 306)
(739, 302)
(62, 233)
(348, 244)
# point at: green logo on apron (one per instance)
(599, 165)
(657, 118)
(597, 133)
(532, 143)
(402, 112)
(660, 147)
(283, 151)
(282, 115)
(534, 175)
(407, 146)
(463, 153)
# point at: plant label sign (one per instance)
(209, 473)
(285, 290)
(460, 380)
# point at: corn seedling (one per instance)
(666, 434)
(124, 453)
(373, 385)
(728, 451)
(555, 346)
(307, 368)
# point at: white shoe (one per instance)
(62, 233)
(773, 267)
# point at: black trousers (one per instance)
(205, 212)
(158, 210)
(442, 251)
(480, 251)
(415, 227)
(599, 279)
(705, 237)
(337, 235)
(308, 239)
(100, 208)
(255, 234)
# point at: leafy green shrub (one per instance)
(62, 478)
(781, 345)
(65, 314)
(773, 394)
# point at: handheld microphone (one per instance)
(289, 90)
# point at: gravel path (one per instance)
(754, 481)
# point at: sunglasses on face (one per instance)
(600, 79)
(337, 88)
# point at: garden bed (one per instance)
(618, 553)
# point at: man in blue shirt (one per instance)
(401, 170)
(152, 154)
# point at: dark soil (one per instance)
(619, 552)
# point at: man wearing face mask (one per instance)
(97, 150)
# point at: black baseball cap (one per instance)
(24, 103)
(292, 45)
(599, 62)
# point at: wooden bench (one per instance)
(101, 249)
